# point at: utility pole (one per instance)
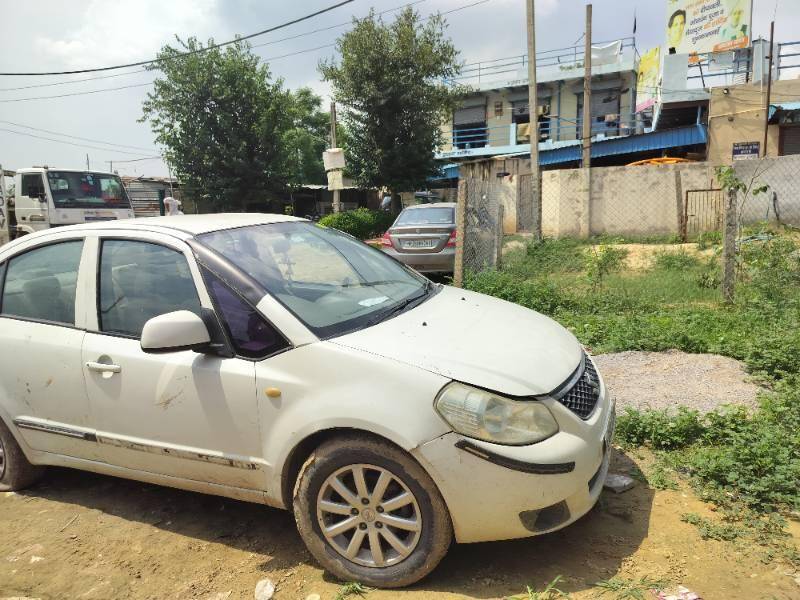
(110, 166)
(587, 92)
(769, 86)
(337, 207)
(535, 207)
(87, 161)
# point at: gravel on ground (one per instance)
(670, 379)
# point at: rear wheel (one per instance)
(16, 472)
(368, 512)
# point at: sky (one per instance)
(52, 35)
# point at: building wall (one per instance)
(498, 124)
(738, 116)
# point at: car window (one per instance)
(435, 215)
(139, 281)
(32, 185)
(40, 284)
(330, 281)
(250, 333)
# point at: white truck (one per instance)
(45, 197)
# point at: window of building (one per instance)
(469, 126)
(40, 284)
(139, 281)
(251, 335)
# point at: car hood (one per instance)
(476, 339)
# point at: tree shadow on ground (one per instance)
(588, 551)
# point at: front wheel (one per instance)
(368, 512)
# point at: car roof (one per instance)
(191, 224)
(181, 226)
(431, 205)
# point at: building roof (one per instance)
(690, 135)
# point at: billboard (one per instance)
(700, 26)
(647, 78)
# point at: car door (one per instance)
(182, 414)
(41, 332)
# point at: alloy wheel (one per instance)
(369, 516)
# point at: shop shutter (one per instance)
(790, 140)
(470, 114)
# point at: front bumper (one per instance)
(425, 262)
(492, 496)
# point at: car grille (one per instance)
(583, 396)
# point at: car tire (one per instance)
(16, 473)
(410, 555)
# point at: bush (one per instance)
(602, 262)
(709, 239)
(737, 457)
(675, 261)
(361, 223)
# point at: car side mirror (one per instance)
(174, 332)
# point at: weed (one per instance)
(352, 589)
(549, 255)
(660, 429)
(709, 530)
(550, 592)
(709, 239)
(629, 589)
(675, 261)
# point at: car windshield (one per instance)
(74, 189)
(330, 281)
(433, 215)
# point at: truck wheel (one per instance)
(369, 513)
(16, 472)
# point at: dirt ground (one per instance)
(79, 535)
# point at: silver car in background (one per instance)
(424, 237)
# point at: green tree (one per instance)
(306, 139)
(222, 120)
(390, 82)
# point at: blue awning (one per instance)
(449, 171)
(783, 106)
(690, 135)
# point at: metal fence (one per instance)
(480, 227)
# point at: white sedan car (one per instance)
(268, 359)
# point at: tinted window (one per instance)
(441, 215)
(251, 335)
(330, 281)
(139, 281)
(40, 284)
(32, 185)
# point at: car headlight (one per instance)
(489, 417)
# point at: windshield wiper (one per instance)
(401, 306)
(374, 283)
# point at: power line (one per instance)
(75, 136)
(69, 81)
(130, 160)
(39, 137)
(191, 52)
(124, 87)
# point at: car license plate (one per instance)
(419, 244)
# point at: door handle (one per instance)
(103, 367)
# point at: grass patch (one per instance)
(745, 462)
(351, 589)
(629, 589)
(549, 592)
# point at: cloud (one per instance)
(121, 31)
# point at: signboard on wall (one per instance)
(647, 78)
(700, 26)
(746, 150)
